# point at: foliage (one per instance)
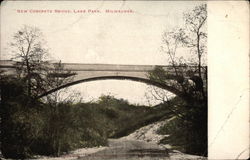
(20, 119)
(30, 128)
(36, 76)
(189, 133)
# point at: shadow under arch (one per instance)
(137, 79)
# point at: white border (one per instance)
(228, 71)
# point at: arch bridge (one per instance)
(92, 72)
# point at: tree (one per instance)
(196, 25)
(57, 76)
(29, 49)
(20, 125)
(29, 122)
(197, 38)
(31, 53)
(188, 76)
(59, 128)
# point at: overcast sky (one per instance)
(114, 38)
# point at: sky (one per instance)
(107, 38)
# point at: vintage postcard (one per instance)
(124, 80)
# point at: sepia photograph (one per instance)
(105, 80)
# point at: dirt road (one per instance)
(128, 150)
(141, 144)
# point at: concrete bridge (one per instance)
(93, 72)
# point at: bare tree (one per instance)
(57, 76)
(172, 41)
(197, 37)
(189, 77)
(29, 49)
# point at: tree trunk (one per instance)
(28, 77)
(199, 62)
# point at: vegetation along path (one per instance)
(141, 144)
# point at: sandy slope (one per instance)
(147, 133)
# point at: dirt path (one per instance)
(141, 144)
(120, 149)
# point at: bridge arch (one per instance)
(136, 79)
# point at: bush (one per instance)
(189, 134)
(20, 122)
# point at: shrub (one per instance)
(189, 134)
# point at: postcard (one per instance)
(153, 80)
